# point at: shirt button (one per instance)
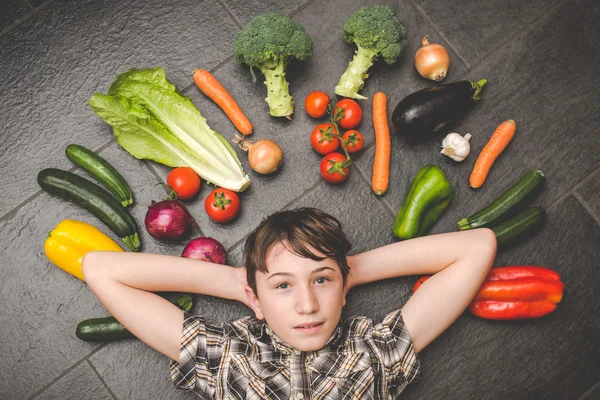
(300, 396)
(297, 352)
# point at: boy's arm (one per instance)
(460, 262)
(123, 283)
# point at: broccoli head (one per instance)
(269, 42)
(376, 31)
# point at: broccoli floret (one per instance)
(269, 42)
(376, 30)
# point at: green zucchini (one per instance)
(519, 226)
(94, 199)
(100, 169)
(109, 329)
(508, 203)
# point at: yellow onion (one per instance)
(264, 156)
(432, 61)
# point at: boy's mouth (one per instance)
(309, 327)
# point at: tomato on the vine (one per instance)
(316, 103)
(222, 205)
(354, 140)
(352, 114)
(322, 140)
(334, 168)
(184, 181)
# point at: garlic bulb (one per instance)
(456, 147)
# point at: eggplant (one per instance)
(431, 111)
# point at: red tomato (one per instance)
(316, 104)
(332, 168)
(321, 138)
(222, 205)
(352, 114)
(354, 140)
(184, 181)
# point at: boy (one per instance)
(296, 277)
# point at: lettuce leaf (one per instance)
(151, 120)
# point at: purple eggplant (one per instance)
(424, 114)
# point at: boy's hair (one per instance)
(296, 229)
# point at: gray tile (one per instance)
(548, 358)
(588, 191)
(54, 62)
(556, 125)
(475, 29)
(12, 11)
(244, 11)
(38, 3)
(39, 328)
(592, 394)
(81, 383)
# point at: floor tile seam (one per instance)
(532, 25)
(439, 32)
(29, 4)
(67, 371)
(228, 11)
(571, 191)
(587, 207)
(585, 179)
(9, 214)
(18, 22)
(101, 379)
(367, 182)
(300, 9)
(590, 391)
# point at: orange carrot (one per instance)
(210, 86)
(381, 164)
(498, 142)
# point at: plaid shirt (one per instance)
(244, 359)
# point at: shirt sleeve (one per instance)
(399, 354)
(200, 354)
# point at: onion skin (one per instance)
(168, 220)
(264, 156)
(432, 61)
(205, 249)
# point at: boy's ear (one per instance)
(252, 302)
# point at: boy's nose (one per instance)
(307, 303)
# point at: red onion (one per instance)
(205, 249)
(168, 220)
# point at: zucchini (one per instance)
(94, 199)
(109, 329)
(100, 169)
(519, 226)
(508, 203)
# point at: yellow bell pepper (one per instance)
(71, 240)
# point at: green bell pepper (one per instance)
(429, 195)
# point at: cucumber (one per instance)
(94, 199)
(519, 226)
(97, 167)
(109, 329)
(508, 203)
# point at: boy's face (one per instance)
(301, 299)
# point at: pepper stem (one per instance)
(478, 86)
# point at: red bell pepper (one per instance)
(517, 292)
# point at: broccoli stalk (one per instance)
(269, 42)
(376, 31)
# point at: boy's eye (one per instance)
(321, 280)
(282, 286)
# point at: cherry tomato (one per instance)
(316, 104)
(321, 138)
(184, 181)
(222, 205)
(332, 168)
(354, 140)
(352, 114)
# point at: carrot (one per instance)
(496, 145)
(210, 86)
(381, 164)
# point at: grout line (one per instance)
(29, 4)
(301, 8)
(101, 379)
(71, 368)
(426, 17)
(590, 391)
(230, 13)
(16, 23)
(584, 179)
(527, 27)
(587, 207)
(379, 198)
